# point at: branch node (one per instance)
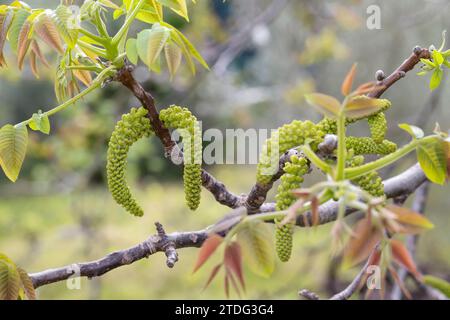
(380, 75)
(417, 50)
(167, 246)
(305, 293)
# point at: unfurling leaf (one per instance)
(46, 29)
(150, 43)
(19, 20)
(9, 279)
(208, 248)
(414, 131)
(5, 24)
(173, 57)
(364, 238)
(408, 221)
(13, 146)
(233, 262)
(437, 283)
(131, 50)
(402, 256)
(327, 105)
(432, 156)
(24, 42)
(40, 122)
(347, 84)
(258, 248)
(27, 284)
(363, 106)
(212, 275)
(436, 78)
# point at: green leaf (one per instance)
(414, 131)
(428, 63)
(150, 43)
(325, 104)
(437, 283)
(432, 156)
(362, 106)
(40, 122)
(257, 245)
(14, 31)
(13, 146)
(131, 50)
(436, 78)
(177, 6)
(437, 57)
(9, 279)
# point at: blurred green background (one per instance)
(264, 55)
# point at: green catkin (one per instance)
(371, 182)
(364, 145)
(286, 137)
(290, 180)
(378, 126)
(133, 126)
(176, 117)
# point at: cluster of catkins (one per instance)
(136, 125)
(296, 134)
(132, 127)
(182, 119)
(290, 180)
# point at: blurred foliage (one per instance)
(60, 210)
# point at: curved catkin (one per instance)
(365, 145)
(286, 137)
(132, 127)
(290, 180)
(176, 117)
(378, 126)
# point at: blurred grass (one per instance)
(56, 230)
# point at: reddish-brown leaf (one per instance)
(84, 76)
(400, 283)
(227, 285)
(233, 261)
(23, 43)
(27, 284)
(213, 275)
(37, 50)
(364, 90)
(365, 237)
(46, 29)
(208, 248)
(362, 106)
(347, 84)
(234, 284)
(402, 256)
(408, 221)
(33, 64)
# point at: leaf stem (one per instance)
(312, 156)
(95, 84)
(352, 173)
(341, 151)
(129, 19)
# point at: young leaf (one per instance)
(258, 248)
(347, 84)
(13, 146)
(173, 57)
(437, 57)
(46, 29)
(150, 43)
(436, 78)
(432, 158)
(362, 106)
(5, 24)
(23, 43)
(27, 284)
(437, 283)
(364, 238)
(212, 275)
(208, 248)
(327, 105)
(410, 221)
(402, 256)
(19, 20)
(414, 131)
(40, 122)
(131, 50)
(9, 279)
(233, 262)
(67, 28)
